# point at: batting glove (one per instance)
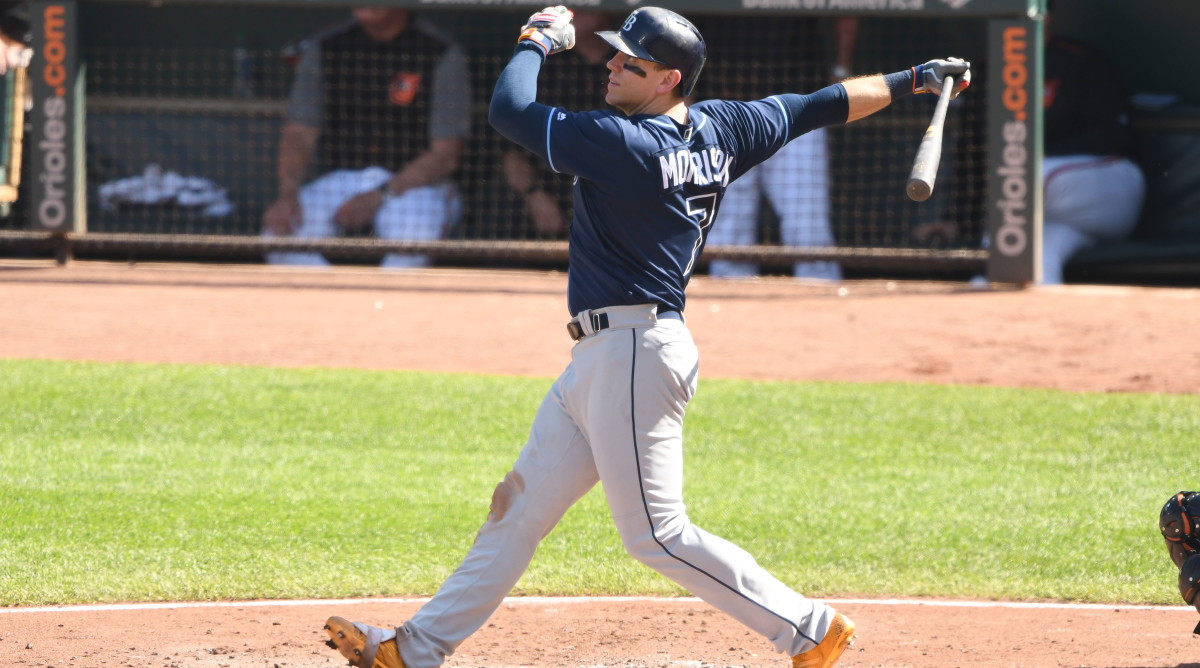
(551, 29)
(13, 57)
(929, 77)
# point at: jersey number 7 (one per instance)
(702, 208)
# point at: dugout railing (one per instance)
(200, 90)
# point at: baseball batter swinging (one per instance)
(649, 176)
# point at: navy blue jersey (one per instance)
(648, 188)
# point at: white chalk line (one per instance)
(572, 600)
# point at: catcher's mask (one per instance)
(664, 37)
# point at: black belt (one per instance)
(600, 322)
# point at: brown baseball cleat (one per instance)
(839, 636)
(363, 646)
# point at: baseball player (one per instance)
(649, 178)
(1179, 522)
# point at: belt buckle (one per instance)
(574, 330)
(598, 321)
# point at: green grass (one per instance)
(155, 482)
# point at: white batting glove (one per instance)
(13, 57)
(551, 29)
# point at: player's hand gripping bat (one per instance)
(948, 78)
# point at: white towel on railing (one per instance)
(156, 186)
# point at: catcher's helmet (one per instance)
(1179, 522)
(664, 37)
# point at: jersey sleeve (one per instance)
(579, 143)
(514, 110)
(754, 130)
(825, 107)
(586, 144)
(760, 128)
(451, 97)
(304, 102)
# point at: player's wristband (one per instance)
(536, 37)
(901, 83)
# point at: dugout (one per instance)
(1139, 39)
(155, 80)
(170, 111)
(1164, 249)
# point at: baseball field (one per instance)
(199, 464)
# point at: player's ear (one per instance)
(670, 79)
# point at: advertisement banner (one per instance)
(55, 130)
(929, 7)
(1014, 212)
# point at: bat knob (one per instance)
(918, 190)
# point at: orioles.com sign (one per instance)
(1012, 107)
(54, 72)
(1013, 236)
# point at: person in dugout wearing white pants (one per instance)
(795, 181)
(1093, 191)
(387, 101)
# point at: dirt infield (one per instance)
(1075, 338)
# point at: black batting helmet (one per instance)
(664, 37)
(1179, 522)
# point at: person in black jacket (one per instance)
(1093, 190)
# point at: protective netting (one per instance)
(188, 114)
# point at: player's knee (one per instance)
(650, 544)
(505, 495)
(1189, 581)
(642, 547)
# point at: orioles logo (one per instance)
(404, 88)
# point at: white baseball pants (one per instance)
(796, 183)
(420, 214)
(1088, 199)
(614, 415)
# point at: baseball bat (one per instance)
(929, 153)
(13, 131)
